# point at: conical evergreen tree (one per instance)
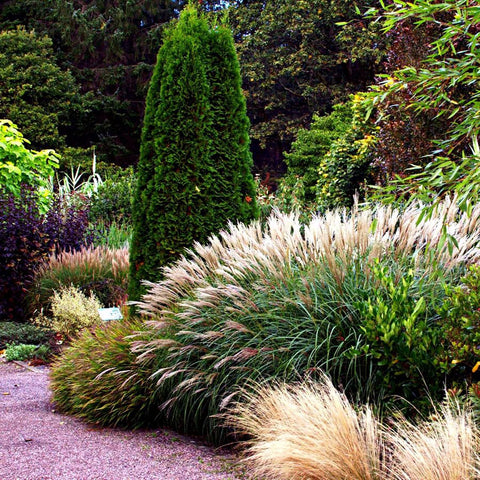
(194, 168)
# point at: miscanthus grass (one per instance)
(281, 302)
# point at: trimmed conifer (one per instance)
(194, 172)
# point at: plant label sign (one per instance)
(107, 314)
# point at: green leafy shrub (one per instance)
(460, 315)
(20, 166)
(194, 167)
(95, 270)
(98, 378)
(24, 351)
(112, 202)
(329, 163)
(399, 322)
(311, 146)
(14, 333)
(72, 311)
(346, 168)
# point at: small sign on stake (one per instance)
(107, 314)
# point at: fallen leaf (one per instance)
(6, 393)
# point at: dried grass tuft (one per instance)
(308, 431)
(445, 448)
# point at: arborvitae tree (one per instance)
(194, 169)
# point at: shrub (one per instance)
(101, 271)
(312, 145)
(27, 238)
(24, 351)
(13, 333)
(21, 166)
(112, 202)
(460, 315)
(72, 311)
(98, 379)
(194, 167)
(329, 163)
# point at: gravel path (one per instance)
(38, 444)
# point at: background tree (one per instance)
(300, 58)
(194, 169)
(35, 93)
(437, 87)
(110, 47)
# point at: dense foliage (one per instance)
(428, 105)
(27, 238)
(109, 396)
(331, 162)
(99, 271)
(14, 333)
(357, 296)
(299, 58)
(35, 93)
(194, 170)
(21, 167)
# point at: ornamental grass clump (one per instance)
(288, 300)
(311, 430)
(99, 270)
(97, 378)
(444, 448)
(308, 431)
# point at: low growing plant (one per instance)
(72, 311)
(312, 431)
(14, 333)
(24, 351)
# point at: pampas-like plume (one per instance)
(236, 254)
(308, 431)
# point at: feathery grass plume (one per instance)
(444, 448)
(99, 270)
(308, 431)
(97, 378)
(295, 290)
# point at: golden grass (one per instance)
(445, 448)
(308, 432)
(312, 432)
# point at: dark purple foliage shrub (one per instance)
(27, 238)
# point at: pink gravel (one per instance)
(36, 443)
